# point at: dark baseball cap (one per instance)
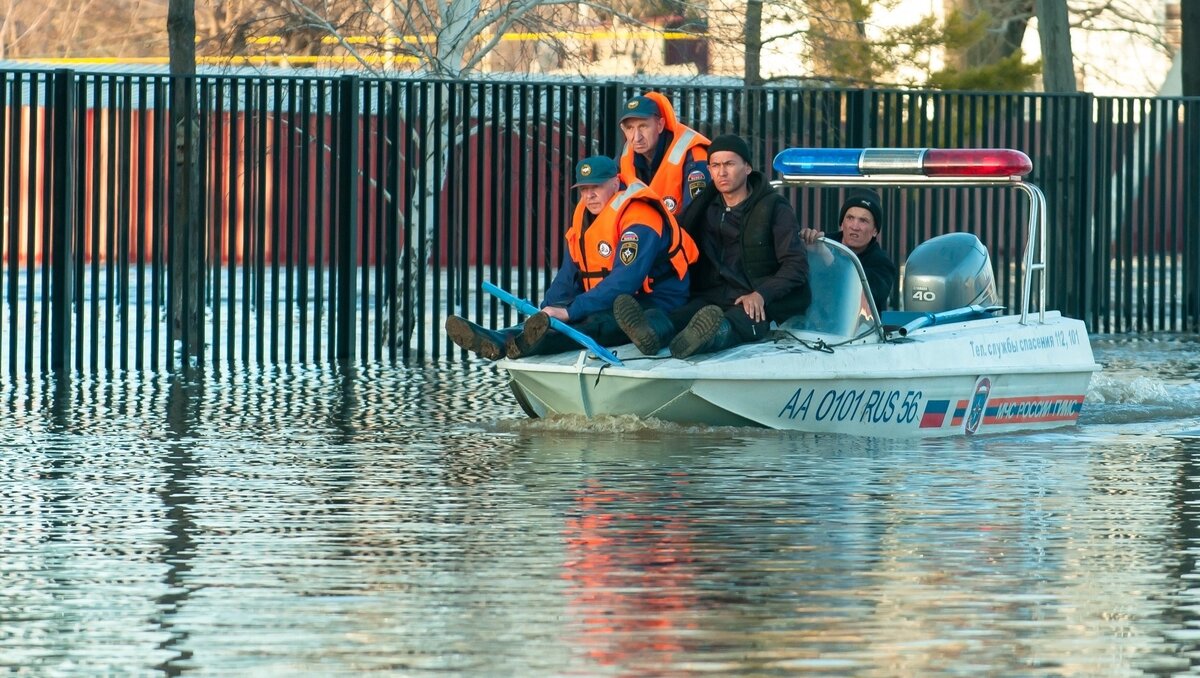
(594, 170)
(640, 107)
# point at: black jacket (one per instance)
(752, 247)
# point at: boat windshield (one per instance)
(840, 305)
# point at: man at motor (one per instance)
(752, 269)
(621, 241)
(859, 222)
(666, 155)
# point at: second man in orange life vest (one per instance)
(666, 155)
(621, 241)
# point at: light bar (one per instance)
(929, 162)
(825, 161)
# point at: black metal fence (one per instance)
(344, 217)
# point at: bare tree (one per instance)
(1006, 22)
(20, 21)
(80, 28)
(281, 29)
(445, 39)
(1054, 31)
(841, 41)
(438, 38)
(1132, 21)
(753, 42)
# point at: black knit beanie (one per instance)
(865, 198)
(732, 143)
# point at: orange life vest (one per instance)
(668, 180)
(595, 249)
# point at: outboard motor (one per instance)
(947, 272)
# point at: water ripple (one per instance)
(412, 521)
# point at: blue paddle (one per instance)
(579, 337)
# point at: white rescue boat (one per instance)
(953, 363)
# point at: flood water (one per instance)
(412, 521)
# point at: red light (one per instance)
(976, 162)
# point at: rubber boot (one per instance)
(648, 328)
(532, 335)
(476, 339)
(706, 332)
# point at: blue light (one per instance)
(818, 161)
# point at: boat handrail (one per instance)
(904, 167)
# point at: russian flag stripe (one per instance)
(960, 411)
(935, 413)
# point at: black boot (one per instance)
(476, 339)
(648, 328)
(527, 342)
(708, 331)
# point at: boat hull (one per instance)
(985, 376)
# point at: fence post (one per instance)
(860, 118)
(1081, 213)
(347, 216)
(611, 102)
(61, 219)
(1190, 184)
(185, 240)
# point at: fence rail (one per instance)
(342, 218)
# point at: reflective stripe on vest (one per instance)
(619, 201)
(680, 147)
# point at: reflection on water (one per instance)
(412, 521)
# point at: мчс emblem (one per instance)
(627, 250)
(978, 405)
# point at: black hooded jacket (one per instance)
(881, 272)
(754, 246)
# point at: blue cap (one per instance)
(596, 169)
(640, 107)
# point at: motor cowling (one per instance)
(947, 272)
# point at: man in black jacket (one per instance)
(752, 268)
(859, 222)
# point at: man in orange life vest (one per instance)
(669, 157)
(621, 241)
